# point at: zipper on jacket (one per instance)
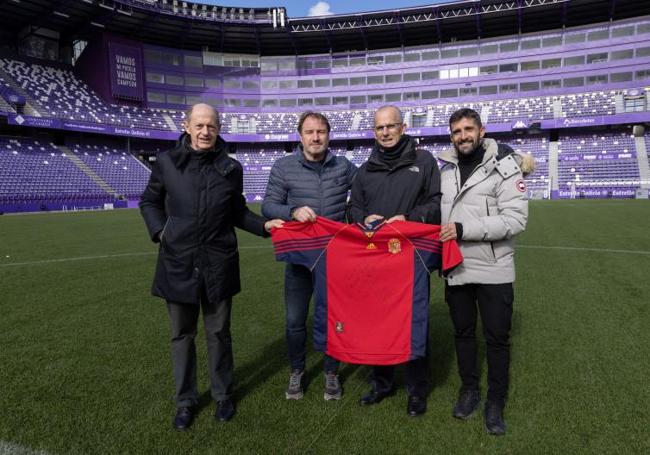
(487, 210)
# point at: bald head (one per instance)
(203, 125)
(389, 126)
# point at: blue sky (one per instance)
(300, 8)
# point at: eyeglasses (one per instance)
(390, 126)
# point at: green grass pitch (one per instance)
(85, 365)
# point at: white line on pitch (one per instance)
(10, 448)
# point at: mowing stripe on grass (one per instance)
(122, 255)
(9, 448)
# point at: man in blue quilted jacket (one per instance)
(310, 182)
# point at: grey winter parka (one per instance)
(293, 183)
(492, 207)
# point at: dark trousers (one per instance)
(216, 320)
(494, 302)
(298, 288)
(417, 377)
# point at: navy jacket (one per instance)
(294, 183)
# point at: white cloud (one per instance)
(320, 9)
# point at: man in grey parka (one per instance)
(483, 206)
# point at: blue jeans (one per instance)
(298, 288)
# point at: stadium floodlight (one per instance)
(97, 24)
(59, 13)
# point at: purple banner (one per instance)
(581, 122)
(125, 66)
(596, 193)
(37, 122)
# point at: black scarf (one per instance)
(467, 163)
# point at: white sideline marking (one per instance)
(123, 255)
(9, 448)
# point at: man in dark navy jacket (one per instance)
(191, 205)
(398, 182)
(312, 181)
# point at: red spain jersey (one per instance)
(371, 285)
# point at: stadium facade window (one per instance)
(357, 99)
(509, 47)
(251, 84)
(643, 28)
(418, 120)
(393, 97)
(430, 75)
(340, 82)
(289, 102)
(469, 51)
(530, 65)
(358, 61)
(376, 99)
(449, 93)
(268, 66)
(153, 57)
(575, 60)
(393, 58)
(250, 63)
(232, 83)
(322, 64)
(508, 88)
(174, 80)
(231, 63)
(530, 44)
(643, 52)
(232, 102)
(468, 91)
(375, 60)
(190, 100)
(156, 78)
(635, 104)
(598, 35)
(488, 49)
(485, 70)
(322, 82)
(269, 84)
(269, 103)
(449, 53)
(155, 97)
(287, 64)
(411, 96)
(359, 80)
(529, 86)
(623, 31)
(573, 82)
(551, 63)
(171, 59)
(393, 78)
(430, 95)
(551, 84)
(412, 57)
(305, 101)
(305, 83)
(488, 90)
(411, 77)
(552, 41)
(340, 100)
(175, 99)
(643, 74)
(212, 82)
(288, 84)
(323, 101)
(430, 55)
(508, 68)
(620, 77)
(193, 61)
(621, 55)
(375, 80)
(600, 57)
(193, 81)
(598, 79)
(212, 59)
(340, 62)
(574, 38)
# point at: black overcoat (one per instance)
(191, 205)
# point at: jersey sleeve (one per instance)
(301, 243)
(426, 240)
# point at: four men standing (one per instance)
(194, 200)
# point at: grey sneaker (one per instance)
(333, 389)
(294, 391)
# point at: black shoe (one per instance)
(416, 406)
(468, 401)
(373, 397)
(183, 418)
(225, 410)
(494, 423)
